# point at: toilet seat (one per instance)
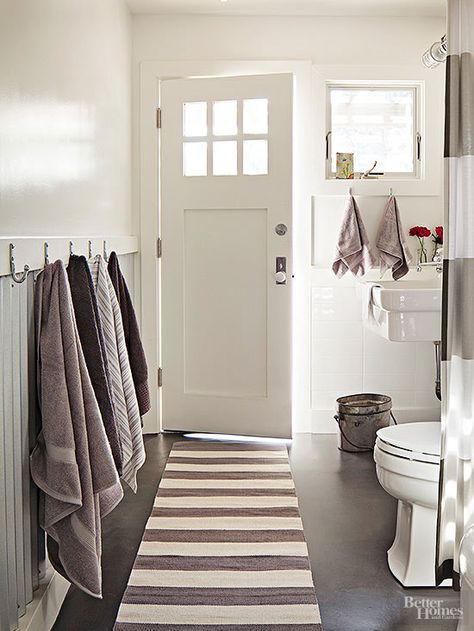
(417, 442)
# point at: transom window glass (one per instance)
(374, 123)
(225, 138)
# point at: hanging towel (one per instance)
(391, 242)
(133, 341)
(72, 462)
(352, 251)
(370, 311)
(92, 341)
(123, 390)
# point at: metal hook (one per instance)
(106, 256)
(89, 249)
(350, 191)
(18, 277)
(71, 248)
(46, 253)
(391, 191)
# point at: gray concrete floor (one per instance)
(349, 525)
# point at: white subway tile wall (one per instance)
(347, 358)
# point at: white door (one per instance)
(226, 186)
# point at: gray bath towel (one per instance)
(352, 252)
(72, 462)
(391, 242)
(93, 346)
(131, 331)
(123, 389)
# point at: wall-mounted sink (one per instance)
(404, 310)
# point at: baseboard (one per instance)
(322, 421)
(43, 610)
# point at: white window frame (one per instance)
(417, 125)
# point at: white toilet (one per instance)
(407, 458)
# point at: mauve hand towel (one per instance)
(352, 252)
(72, 462)
(391, 242)
(123, 390)
(131, 331)
(92, 341)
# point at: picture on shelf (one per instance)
(344, 166)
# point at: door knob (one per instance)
(280, 278)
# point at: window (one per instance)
(375, 122)
(233, 142)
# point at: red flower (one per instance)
(438, 235)
(420, 232)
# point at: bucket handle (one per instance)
(338, 421)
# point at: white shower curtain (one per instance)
(456, 509)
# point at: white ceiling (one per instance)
(293, 7)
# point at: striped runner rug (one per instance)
(224, 548)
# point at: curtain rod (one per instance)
(436, 53)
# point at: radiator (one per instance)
(22, 550)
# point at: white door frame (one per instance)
(147, 169)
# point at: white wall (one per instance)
(65, 118)
(345, 358)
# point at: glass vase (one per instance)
(422, 255)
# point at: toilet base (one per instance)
(411, 558)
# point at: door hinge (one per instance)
(158, 117)
(160, 377)
(158, 248)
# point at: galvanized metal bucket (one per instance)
(359, 416)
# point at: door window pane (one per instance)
(255, 157)
(224, 157)
(194, 158)
(195, 119)
(255, 116)
(374, 124)
(225, 118)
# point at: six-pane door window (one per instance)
(225, 138)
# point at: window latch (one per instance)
(327, 144)
(418, 145)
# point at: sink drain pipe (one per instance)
(437, 347)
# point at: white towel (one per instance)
(352, 252)
(369, 310)
(391, 242)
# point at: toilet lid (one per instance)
(415, 441)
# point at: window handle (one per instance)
(327, 145)
(418, 146)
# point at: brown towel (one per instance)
(352, 252)
(72, 462)
(133, 341)
(391, 242)
(93, 346)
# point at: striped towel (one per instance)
(123, 389)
